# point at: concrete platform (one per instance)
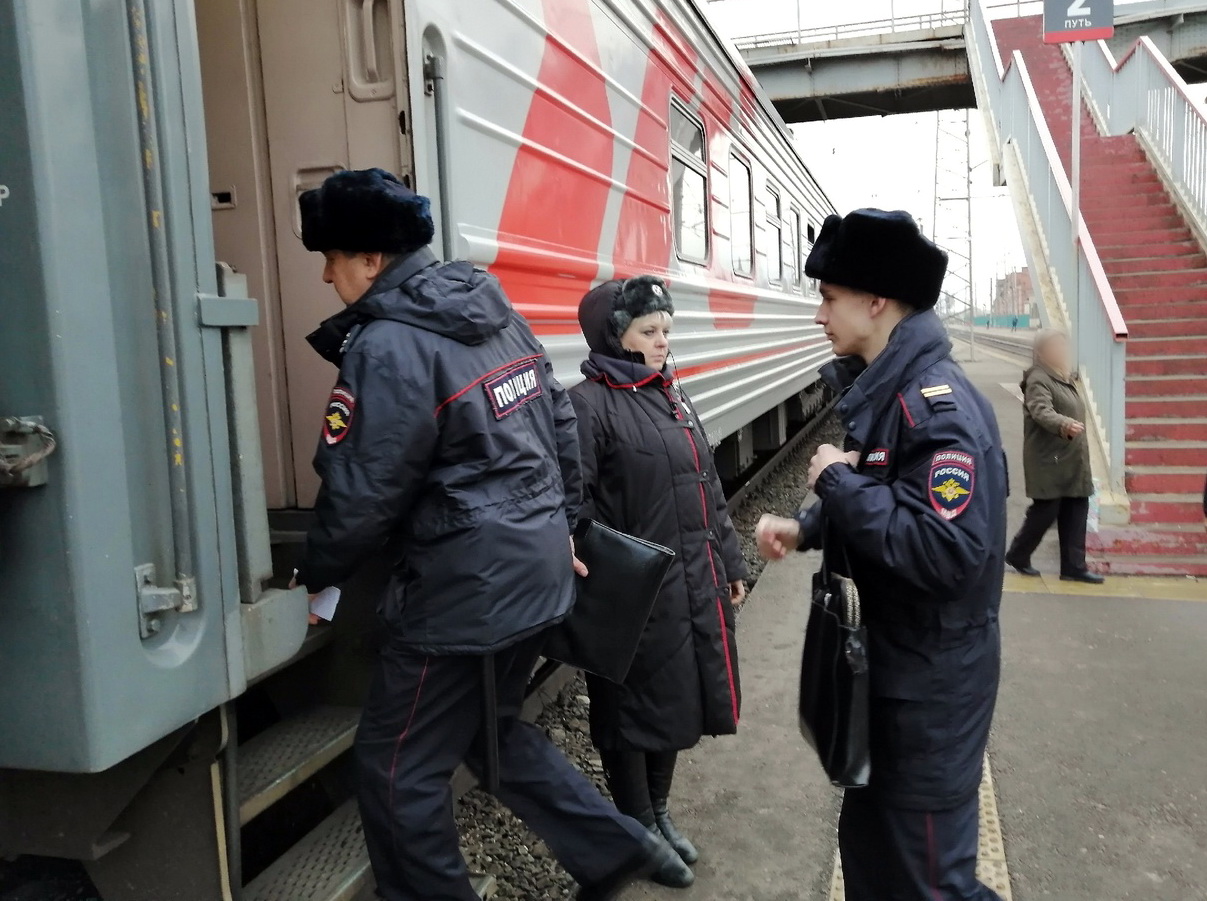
(1097, 749)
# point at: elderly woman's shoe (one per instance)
(673, 873)
(676, 839)
(1085, 576)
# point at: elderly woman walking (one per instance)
(1056, 461)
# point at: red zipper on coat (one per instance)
(691, 439)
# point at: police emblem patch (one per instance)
(952, 481)
(338, 417)
(514, 388)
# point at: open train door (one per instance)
(294, 91)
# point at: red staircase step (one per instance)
(1186, 297)
(1150, 428)
(1155, 265)
(1106, 226)
(1141, 386)
(1147, 540)
(1165, 480)
(1167, 508)
(1121, 203)
(1191, 326)
(1134, 565)
(1176, 245)
(1170, 406)
(1167, 453)
(1179, 279)
(1186, 364)
(1163, 347)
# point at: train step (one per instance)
(329, 864)
(284, 756)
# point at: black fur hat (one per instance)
(882, 252)
(365, 211)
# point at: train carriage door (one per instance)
(294, 90)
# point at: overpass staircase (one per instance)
(1133, 289)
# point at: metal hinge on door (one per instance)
(155, 601)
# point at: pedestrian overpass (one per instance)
(919, 63)
(1130, 280)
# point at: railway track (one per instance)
(1015, 346)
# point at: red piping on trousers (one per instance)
(691, 439)
(932, 857)
(398, 746)
(480, 379)
(905, 409)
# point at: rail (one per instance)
(1020, 132)
(1143, 94)
(919, 22)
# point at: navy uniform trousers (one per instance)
(894, 854)
(421, 720)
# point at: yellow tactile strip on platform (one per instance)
(991, 853)
(1153, 588)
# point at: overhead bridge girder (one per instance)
(872, 75)
(927, 69)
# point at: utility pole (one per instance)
(971, 272)
(1079, 323)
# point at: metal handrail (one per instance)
(1018, 128)
(1142, 93)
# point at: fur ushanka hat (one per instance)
(607, 310)
(365, 211)
(882, 252)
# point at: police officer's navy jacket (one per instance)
(923, 520)
(447, 432)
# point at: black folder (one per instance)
(614, 601)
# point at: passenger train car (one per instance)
(150, 163)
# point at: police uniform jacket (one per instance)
(1053, 466)
(648, 471)
(446, 432)
(922, 519)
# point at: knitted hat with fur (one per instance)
(607, 310)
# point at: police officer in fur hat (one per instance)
(447, 438)
(917, 503)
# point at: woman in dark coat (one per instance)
(1056, 461)
(648, 470)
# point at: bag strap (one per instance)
(825, 552)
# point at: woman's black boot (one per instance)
(674, 873)
(677, 840)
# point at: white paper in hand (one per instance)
(324, 603)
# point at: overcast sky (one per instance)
(890, 161)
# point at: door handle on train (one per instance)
(368, 36)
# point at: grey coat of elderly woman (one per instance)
(1056, 461)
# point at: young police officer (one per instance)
(918, 503)
(447, 434)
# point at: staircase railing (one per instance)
(1021, 138)
(1143, 93)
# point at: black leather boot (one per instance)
(673, 872)
(676, 839)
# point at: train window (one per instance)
(775, 228)
(689, 185)
(741, 219)
(792, 250)
(686, 133)
(691, 211)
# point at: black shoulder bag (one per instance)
(834, 675)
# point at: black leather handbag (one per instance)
(834, 676)
(615, 599)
